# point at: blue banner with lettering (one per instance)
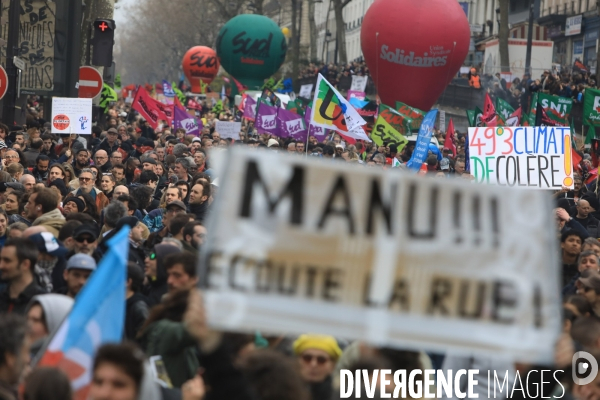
(421, 151)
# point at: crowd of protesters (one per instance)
(64, 196)
(518, 92)
(333, 72)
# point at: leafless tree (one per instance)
(157, 35)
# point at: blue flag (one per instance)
(97, 317)
(419, 155)
(168, 89)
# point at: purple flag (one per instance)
(266, 119)
(315, 131)
(250, 108)
(184, 120)
(292, 125)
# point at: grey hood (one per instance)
(56, 308)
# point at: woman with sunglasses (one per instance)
(317, 355)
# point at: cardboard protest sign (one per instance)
(359, 83)
(532, 157)
(354, 94)
(229, 130)
(306, 91)
(297, 245)
(72, 115)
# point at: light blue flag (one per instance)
(97, 317)
(419, 155)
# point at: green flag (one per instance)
(532, 109)
(389, 127)
(557, 108)
(218, 108)
(293, 106)
(471, 117)
(503, 109)
(178, 93)
(413, 113)
(591, 107)
(108, 95)
(118, 82)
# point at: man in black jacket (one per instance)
(136, 308)
(13, 346)
(17, 262)
(585, 218)
(156, 273)
(199, 196)
(110, 144)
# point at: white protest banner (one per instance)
(300, 245)
(306, 91)
(532, 157)
(359, 83)
(227, 129)
(442, 121)
(71, 115)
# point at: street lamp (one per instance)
(498, 19)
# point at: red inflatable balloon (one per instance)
(414, 48)
(200, 63)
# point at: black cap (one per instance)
(86, 228)
(13, 185)
(177, 204)
(130, 221)
(149, 160)
(60, 184)
(80, 203)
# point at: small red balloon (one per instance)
(414, 48)
(200, 63)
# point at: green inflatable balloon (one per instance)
(251, 48)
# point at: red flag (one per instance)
(449, 141)
(592, 177)
(242, 105)
(193, 105)
(146, 106)
(241, 88)
(178, 103)
(576, 159)
(489, 117)
(166, 111)
(515, 118)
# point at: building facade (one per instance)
(573, 26)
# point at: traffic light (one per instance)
(102, 42)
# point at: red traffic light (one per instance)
(104, 25)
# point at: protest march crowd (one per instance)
(334, 71)
(64, 197)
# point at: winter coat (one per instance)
(200, 210)
(171, 341)
(136, 313)
(101, 199)
(53, 221)
(153, 220)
